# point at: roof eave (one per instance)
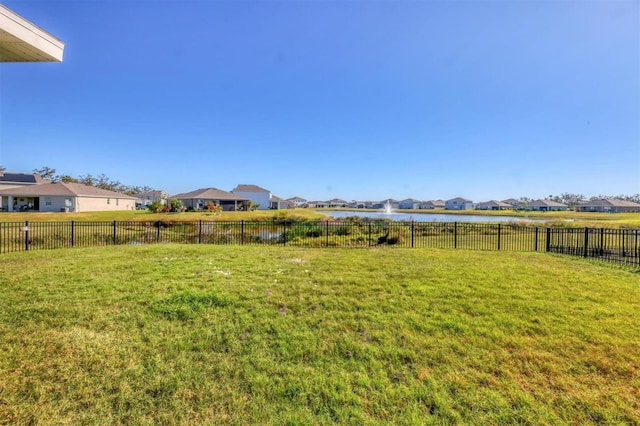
(22, 41)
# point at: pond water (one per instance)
(428, 217)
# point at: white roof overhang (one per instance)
(22, 41)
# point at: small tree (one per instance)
(176, 205)
(213, 208)
(156, 206)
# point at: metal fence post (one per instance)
(327, 235)
(284, 232)
(73, 234)
(369, 239)
(455, 234)
(412, 232)
(242, 233)
(26, 235)
(601, 241)
(199, 232)
(586, 241)
(536, 243)
(114, 233)
(499, 229)
(548, 245)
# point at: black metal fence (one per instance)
(615, 245)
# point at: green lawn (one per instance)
(187, 334)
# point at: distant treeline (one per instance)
(101, 181)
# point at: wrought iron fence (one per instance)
(615, 245)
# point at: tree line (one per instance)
(101, 181)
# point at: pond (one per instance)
(428, 217)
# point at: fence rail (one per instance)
(614, 245)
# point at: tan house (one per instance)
(64, 197)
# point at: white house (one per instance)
(297, 201)
(261, 196)
(146, 198)
(61, 197)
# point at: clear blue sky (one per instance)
(357, 100)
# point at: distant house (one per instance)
(199, 198)
(361, 204)
(318, 204)
(394, 204)
(516, 204)
(278, 203)
(146, 198)
(69, 197)
(609, 205)
(337, 202)
(433, 204)
(409, 203)
(493, 205)
(458, 203)
(297, 201)
(545, 206)
(260, 196)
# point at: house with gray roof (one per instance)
(409, 203)
(65, 197)
(432, 204)
(198, 199)
(458, 203)
(609, 205)
(493, 205)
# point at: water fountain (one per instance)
(387, 208)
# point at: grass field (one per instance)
(184, 334)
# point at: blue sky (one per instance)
(357, 100)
